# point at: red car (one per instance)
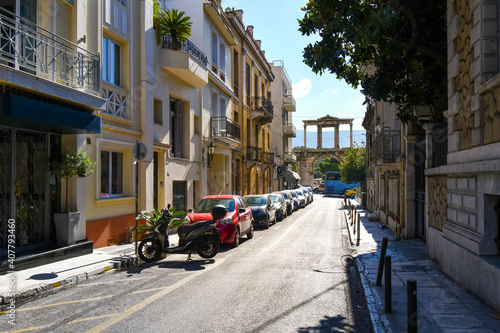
(237, 223)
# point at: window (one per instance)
(176, 126)
(111, 174)
(215, 58)
(222, 57)
(247, 82)
(111, 61)
(158, 112)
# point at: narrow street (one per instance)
(296, 276)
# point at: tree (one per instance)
(354, 168)
(394, 49)
(170, 22)
(328, 164)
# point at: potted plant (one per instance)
(153, 218)
(65, 167)
(171, 22)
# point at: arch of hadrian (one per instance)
(308, 157)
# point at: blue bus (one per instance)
(333, 184)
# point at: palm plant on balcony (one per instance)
(172, 22)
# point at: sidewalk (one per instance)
(36, 281)
(443, 306)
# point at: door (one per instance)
(420, 188)
(23, 187)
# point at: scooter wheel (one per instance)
(149, 250)
(210, 247)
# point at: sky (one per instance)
(275, 24)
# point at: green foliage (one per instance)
(152, 220)
(294, 167)
(394, 49)
(68, 165)
(172, 22)
(328, 164)
(353, 170)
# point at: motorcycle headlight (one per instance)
(226, 220)
(187, 220)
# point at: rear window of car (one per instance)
(205, 205)
(285, 195)
(275, 198)
(255, 201)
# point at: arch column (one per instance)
(351, 132)
(320, 137)
(337, 137)
(305, 136)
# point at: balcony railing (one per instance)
(254, 154)
(185, 46)
(289, 130)
(269, 158)
(30, 48)
(440, 144)
(289, 103)
(387, 144)
(262, 104)
(225, 127)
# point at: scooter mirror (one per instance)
(190, 210)
(218, 212)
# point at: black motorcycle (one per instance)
(201, 237)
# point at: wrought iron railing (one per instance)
(289, 129)
(269, 158)
(262, 103)
(30, 48)
(185, 46)
(440, 144)
(387, 144)
(254, 154)
(225, 127)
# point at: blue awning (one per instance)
(26, 112)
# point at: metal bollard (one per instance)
(381, 261)
(411, 295)
(388, 284)
(359, 223)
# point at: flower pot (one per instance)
(66, 227)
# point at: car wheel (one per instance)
(210, 248)
(149, 250)
(250, 233)
(236, 241)
(353, 196)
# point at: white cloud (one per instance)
(331, 91)
(301, 88)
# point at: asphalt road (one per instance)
(297, 276)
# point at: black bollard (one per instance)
(381, 262)
(411, 294)
(388, 284)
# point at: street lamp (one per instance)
(211, 152)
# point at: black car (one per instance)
(263, 210)
(289, 201)
(280, 205)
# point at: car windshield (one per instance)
(285, 195)
(205, 205)
(275, 198)
(255, 201)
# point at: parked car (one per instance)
(263, 210)
(237, 223)
(309, 193)
(301, 199)
(306, 195)
(295, 198)
(351, 193)
(289, 201)
(280, 204)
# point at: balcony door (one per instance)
(17, 46)
(23, 188)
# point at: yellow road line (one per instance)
(60, 303)
(146, 290)
(151, 299)
(91, 318)
(26, 329)
(119, 280)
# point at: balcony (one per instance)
(289, 131)
(254, 154)
(219, 18)
(289, 158)
(289, 103)
(387, 146)
(225, 129)
(268, 158)
(262, 109)
(185, 60)
(27, 47)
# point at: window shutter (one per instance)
(179, 126)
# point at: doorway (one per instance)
(23, 187)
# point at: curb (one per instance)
(124, 261)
